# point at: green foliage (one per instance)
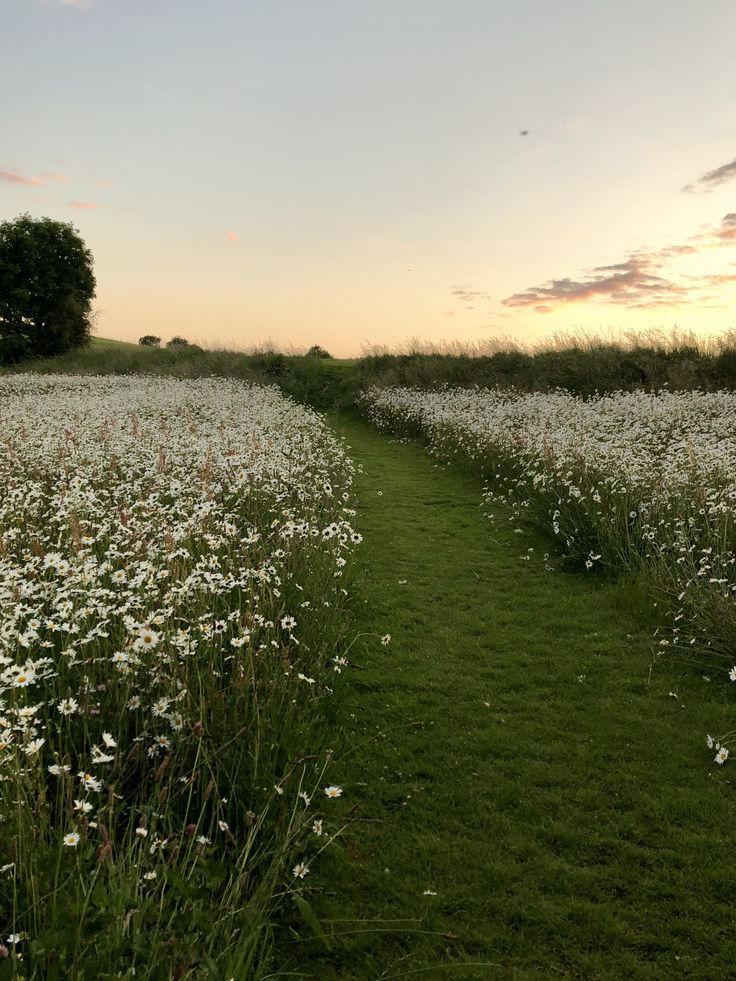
(105, 357)
(582, 370)
(178, 342)
(271, 363)
(331, 383)
(315, 351)
(47, 285)
(150, 340)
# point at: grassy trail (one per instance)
(514, 753)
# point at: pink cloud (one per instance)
(83, 205)
(13, 177)
(727, 230)
(103, 182)
(641, 280)
(232, 236)
(631, 283)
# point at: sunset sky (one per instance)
(344, 172)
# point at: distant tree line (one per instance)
(151, 340)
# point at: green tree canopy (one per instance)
(47, 285)
(316, 351)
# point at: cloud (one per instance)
(717, 236)
(726, 232)
(13, 177)
(632, 283)
(640, 280)
(232, 236)
(713, 178)
(717, 279)
(83, 205)
(464, 292)
(103, 182)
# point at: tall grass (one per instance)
(580, 362)
(171, 561)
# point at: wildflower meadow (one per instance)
(629, 481)
(171, 585)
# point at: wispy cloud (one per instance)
(103, 182)
(713, 178)
(13, 177)
(641, 279)
(467, 294)
(83, 205)
(27, 180)
(231, 236)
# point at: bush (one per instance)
(150, 340)
(270, 363)
(46, 289)
(178, 342)
(316, 351)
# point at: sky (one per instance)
(360, 172)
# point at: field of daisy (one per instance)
(171, 594)
(629, 481)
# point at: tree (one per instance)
(178, 342)
(316, 351)
(150, 340)
(47, 285)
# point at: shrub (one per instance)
(316, 351)
(150, 340)
(46, 289)
(178, 342)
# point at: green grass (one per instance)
(105, 357)
(110, 345)
(515, 749)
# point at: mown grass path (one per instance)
(515, 750)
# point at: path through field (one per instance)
(528, 799)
